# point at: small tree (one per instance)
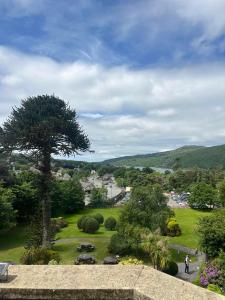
(42, 126)
(203, 196)
(211, 230)
(98, 198)
(158, 251)
(7, 213)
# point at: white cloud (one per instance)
(124, 111)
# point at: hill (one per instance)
(189, 156)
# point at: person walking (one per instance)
(186, 262)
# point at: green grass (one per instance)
(12, 243)
(179, 256)
(68, 253)
(188, 218)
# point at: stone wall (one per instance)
(98, 283)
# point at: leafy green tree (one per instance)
(203, 196)
(147, 207)
(98, 198)
(25, 201)
(211, 230)
(72, 196)
(221, 201)
(42, 126)
(7, 213)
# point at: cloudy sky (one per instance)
(144, 76)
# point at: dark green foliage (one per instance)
(80, 223)
(146, 208)
(90, 225)
(39, 256)
(118, 245)
(7, 213)
(110, 223)
(42, 126)
(211, 230)
(221, 202)
(99, 218)
(203, 196)
(67, 197)
(25, 201)
(171, 268)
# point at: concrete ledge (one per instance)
(98, 283)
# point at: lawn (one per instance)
(12, 243)
(188, 218)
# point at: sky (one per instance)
(144, 76)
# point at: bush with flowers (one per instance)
(213, 274)
(131, 261)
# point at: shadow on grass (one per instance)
(15, 237)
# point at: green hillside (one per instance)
(189, 156)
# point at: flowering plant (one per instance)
(209, 275)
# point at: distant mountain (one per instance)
(188, 156)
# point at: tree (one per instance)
(25, 201)
(147, 208)
(72, 196)
(203, 196)
(222, 194)
(157, 250)
(7, 213)
(98, 198)
(211, 230)
(42, 126)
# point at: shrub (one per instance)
(131, 261)
(118, 245)
(99, 218)
(173, 228)
(91, 225)
(110, 223)
(39, 256)
(80, 223)
(53, 262)
(171, 268)
(57, 224)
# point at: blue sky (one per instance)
(143, 75)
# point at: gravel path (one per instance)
(193, 267)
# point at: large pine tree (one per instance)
(42, 126)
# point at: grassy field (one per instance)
(12, 243)
(188, 218)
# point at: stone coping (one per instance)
(99, 282)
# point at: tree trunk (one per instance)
(45, 199)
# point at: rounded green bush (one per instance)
(99, 218)
(80, 222)
(39, 256)
(90, 225)
(110, 223)
(173, 228)
(171, 268)
(118, 245)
